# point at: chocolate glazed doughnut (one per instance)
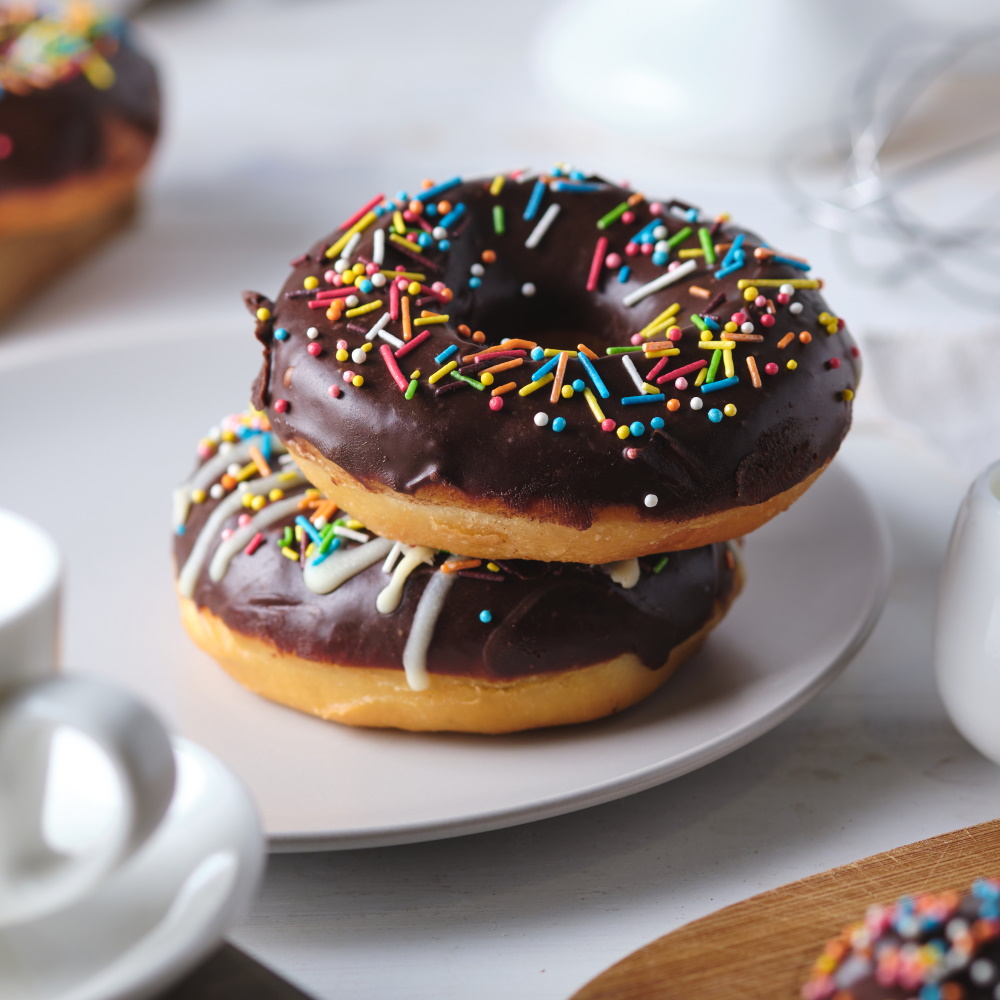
(315, 612)
(667, 381)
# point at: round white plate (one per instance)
(102, 438)
(157, 917)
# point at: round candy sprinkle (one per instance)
(697, 403)
(478, 270)
(607, 424)
(651, 500)
(357, 381)
(613, 261)
(537, 354)
(771, 368)
(805, 337)
(528, 289)
(496, 403)
(729, 410)
(475, 282)
(315, 349)
(358, 356)
(833, 363)
(791, 364)
(631, 453)
(567, 392)
(311, 282)
(680, 384)
(559, 423)
(488, 256)
(485, 616)
(366, 286)
(351, 301)
(347, 376)
(788, 290)
(637, 427)
(623, 432)
(281, 333)
(312, 333)
(767, 320)
(579, 385)
(659, 259)
(280, 405)
(541, 419)
(656, 423)
(714, 415)
(795, 308)
(673, 405)
(263, 314)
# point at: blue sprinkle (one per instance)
(566, 186)
(453, 216)
(623, 273)
(181, 530)
(537, 354)
(638, 428)
(266, 444)
(559, 423)
(366, 286)
(729, 268)
(557, 172)
(379, 211)
(652, 397)
(485, 616)
(334, 545)
(433, 192)
(281, 333)
(308, 529)
(733, 252)
(714, 415)
(535, 200)
(577, 175)
(579, 385)
(547, 367)
(602, 389)
(430, 211)
(444, 245)
(691, 215)
(788, 262)
(660, 259)
(402, 196)
(446, 354)
(723, 383)
(475, 282)
(425, 239)
(656, 423)
(711, 324)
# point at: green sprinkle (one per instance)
(616, 213)
(622, 350)
(660, 563)
(471, 381)
(411, 389)
(706, 244)
(498, 220)
(713, 365)
(679, 237)
(698, 322)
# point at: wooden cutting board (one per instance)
(763, 948)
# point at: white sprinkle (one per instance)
(226, 446)
(661, 282)
(660, 233)
(351, 301)
(651, 500)
(382, 323)
(543, 226)
(340, 266)
(378, 246)
(478, 270)
(378, 280)
(312, 333)
(359, 356)
(319, 523)
(233, 470)
(787, 289)
(541, 419)
(634, 374)
(389, 338)
(390, 559)
(439, 233)
(217, 492)
(982, 971)
(795, 308)
(352, 245)
(625, 572)
(661, 247)
(747, 327)
(528, 289)
(697, 403)
(357, 536)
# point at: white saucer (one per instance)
(117, 433)
(161, 914)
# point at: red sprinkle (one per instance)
(833, 363)
(407, 347)
(334, 391)
(390, 362)
(771, 368)
(394, 300)
(607, 424)
(496, 403)
(677, 372)
(361, 212)
(595, 265)
(315, 349)
(767, 320)
(280, 405)
(255, 544)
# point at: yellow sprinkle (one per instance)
(660, 321)
(730, 327)
(310, 549)
(746, 283)
(701, 376)
(532, 386)
(409, 244)
(413, 288)
(310, 494)
(409, 275)
(430, 320)
(358, 269)
(824, 318)
(493, 567)
(595, 407)
(289, 553)
(441, 372)
(551, 352)
(366, 308)
(750, 293)
(729, 410)
(363, 223)
(397, 221)
(99, 71)
(567, 392)
(311, 282)
(705, 335)
(667, 352)
(649, 389)
(298, 533)
(486, 378)
(367, 346)
(263, 314)
(342, 355)
(718, 345)
(257, 503)
(497, 186)
(686, 254)
(727, 363)
(792, 364)
(246, 499)
(349, 278)
(276, 494)
(623, 431)
(847, 395)
(358, 381)
(228, 435)
(246, 472)
(198, 496)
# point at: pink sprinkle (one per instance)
(760, 301)
(631, 249)
(280, 405)
(227, 533)
(438, 286)
(336, 280)
(631, 452)
(243, 520)
(766, 319)
(330, 275)
(255, 544)
(408, 216)
(840, 324)
(334, 391)
(855, 353)
(647, 249)
(833, 363)
(607, 424)
(739, 318)
(394, 301)
(681, 384)
(418, 339)
(496, 403)
(771, 368)
(637, 338)
(595, 264)
(402, 284)
(628, 218)
(783, 298)
(400, 267)
(315, 349)
(656, 208)
(673, 265)
(613, 260)
(675, 333)
(205, 451)
(341, 345)
(686, 370)
(362, 212)
(347, 376)
(371, 268)
(390, 362)
(6, 145)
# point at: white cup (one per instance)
(35, 878)
(967, 622)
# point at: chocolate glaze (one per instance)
(545, 616)
(59, 132)
(782, 432)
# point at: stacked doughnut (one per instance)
(79, 113)
(549, 406)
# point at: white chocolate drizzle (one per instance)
(422, 630)
(392, 593)
(338, 568)
(241, 537)
(232, 504)
(625, 572)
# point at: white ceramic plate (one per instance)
(103, 437)
(161, 914)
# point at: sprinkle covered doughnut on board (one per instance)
(304, 605)
(553, 368)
